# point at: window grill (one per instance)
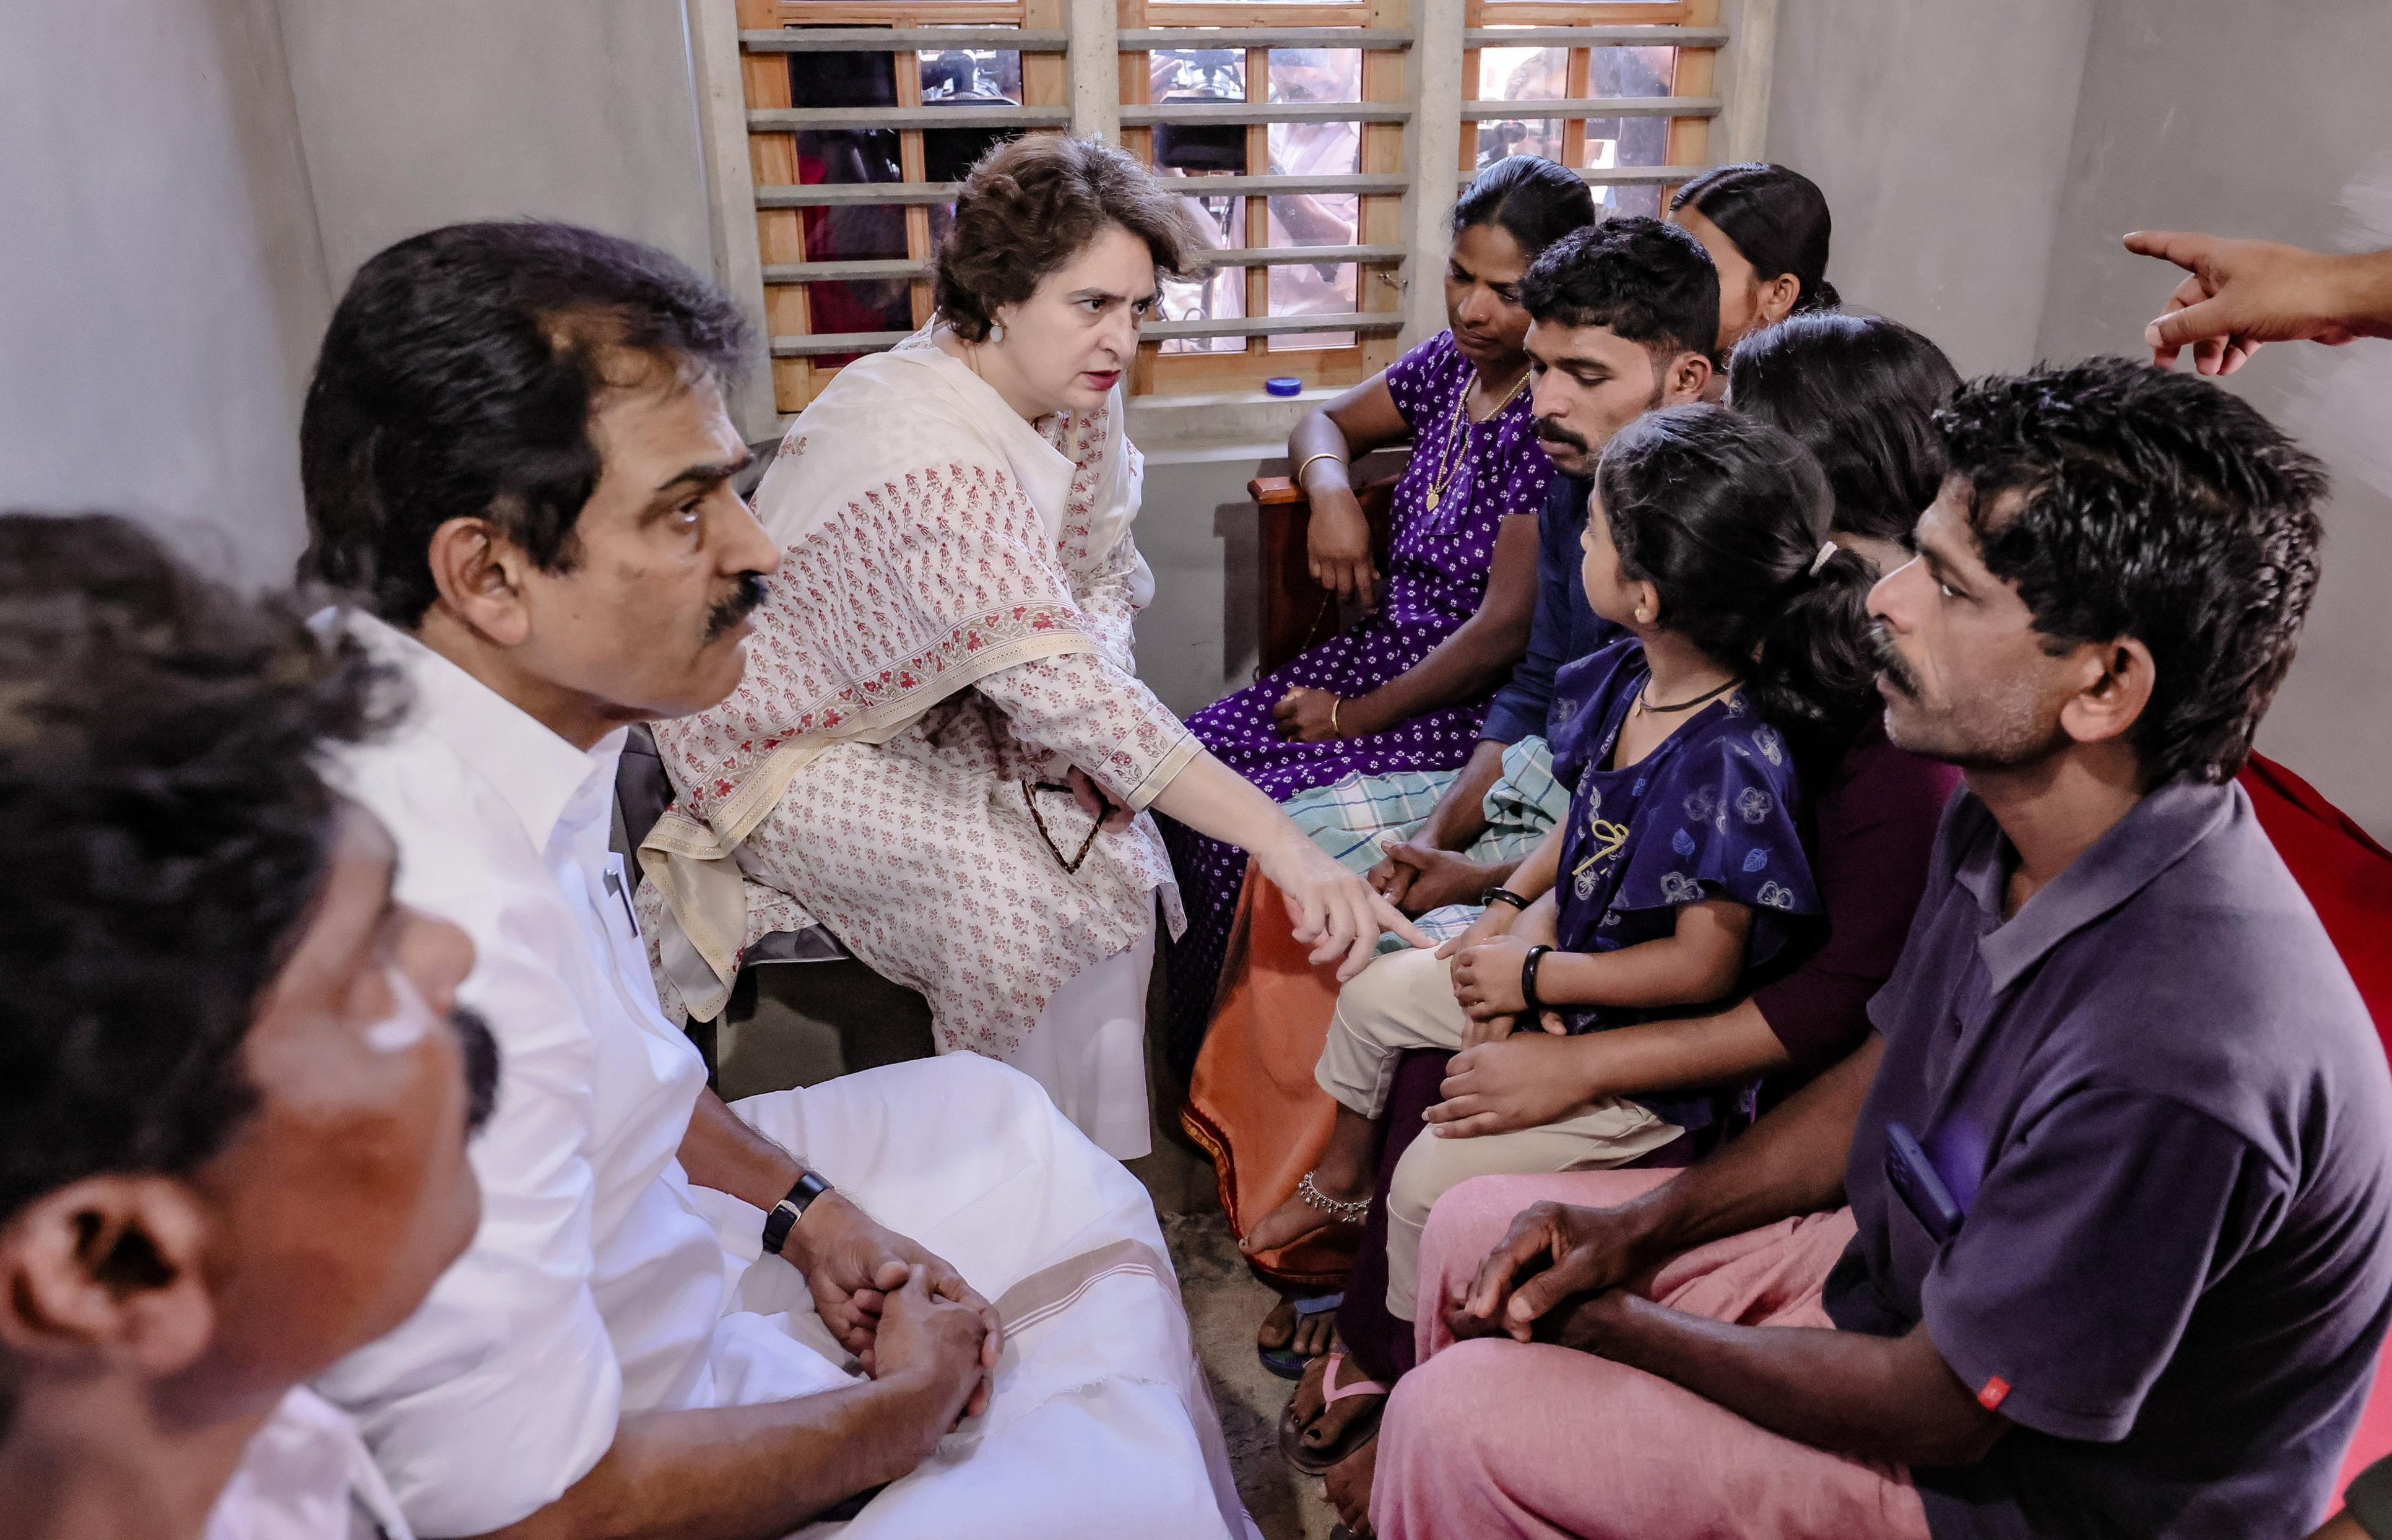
(838, 131)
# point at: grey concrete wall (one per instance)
(1196, 529)
(423, 112)
(1940, 132)
(2262, 120)
(162, 288)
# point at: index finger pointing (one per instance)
(1392, 918)
(2182, 247)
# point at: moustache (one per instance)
(736, 605)
(1551, 431)
(1889, 663)
(480, 1047)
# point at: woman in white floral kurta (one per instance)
(942, 751)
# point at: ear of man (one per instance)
(1685, 378)
(2116, 681)
(480, 575)
(108, 1273)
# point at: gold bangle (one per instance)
(1306, 464)
(1334, 731)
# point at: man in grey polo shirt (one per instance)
(2117, 1159)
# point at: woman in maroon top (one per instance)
(1859, 393)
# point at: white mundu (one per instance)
(602, 1283)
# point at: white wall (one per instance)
(423, 112)
(2263, 121)
(162, 289)
(1939, 131)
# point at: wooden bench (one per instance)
(1296, 612)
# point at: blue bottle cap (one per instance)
(1286, 384)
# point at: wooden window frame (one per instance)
(1692, 29)
(1085, 69)
(1381, 30)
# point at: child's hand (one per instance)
(1486, 977)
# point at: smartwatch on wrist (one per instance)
(1503, 896)
(1532, 1007)
(786, 1212)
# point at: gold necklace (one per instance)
(1450, 464)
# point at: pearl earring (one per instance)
(995, 332)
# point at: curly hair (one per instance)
(1034, 203)
(458, 379)
(2150, 505)
(168, 833)
(1648, 282)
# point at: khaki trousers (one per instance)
(1403, 1001)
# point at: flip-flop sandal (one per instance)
(1286, 1361)
(1361, 1431)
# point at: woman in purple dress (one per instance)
(1406, 687)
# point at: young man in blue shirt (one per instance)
(1621, 315)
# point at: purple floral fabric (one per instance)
(1436, 577)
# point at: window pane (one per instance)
(847, 156)
(1316, 74)
(852, 233)
(1630, 141)
(984, 75)
(1198, 75)
(1222, 220)
(866, 304)
(842, 79)
(1521, 75)
(948, 155)
(1312, 288)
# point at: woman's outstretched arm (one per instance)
(1332, 910)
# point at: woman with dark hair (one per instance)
(1405, 688)
(1766, 228)
(1860, 393)
(940, 750)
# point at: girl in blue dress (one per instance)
(1678, 880)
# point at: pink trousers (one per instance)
(1493, 1437)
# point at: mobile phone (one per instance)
(1915, 1181)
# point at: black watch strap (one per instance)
(1502, 896)
(1533, 1007)
(786, 1212)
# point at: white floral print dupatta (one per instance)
(919, 516)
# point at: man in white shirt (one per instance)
(232, 1120)
(515, 450)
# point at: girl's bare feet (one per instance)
(1318, 1206)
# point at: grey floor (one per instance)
(801, 1023)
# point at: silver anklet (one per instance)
(1349, 1213)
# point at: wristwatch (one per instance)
(786, 1212)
